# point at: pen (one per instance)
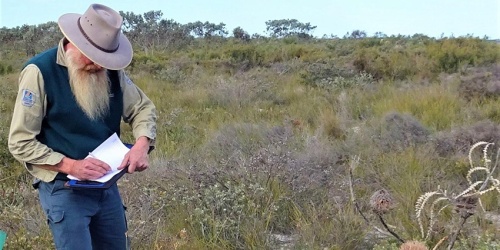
(91, 155)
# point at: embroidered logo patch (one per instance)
(28, 98)
(128, 80)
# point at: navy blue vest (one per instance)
(65, 128)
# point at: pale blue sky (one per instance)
(337, 17)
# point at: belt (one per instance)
(59, 177)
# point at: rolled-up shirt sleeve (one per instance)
(138, 110)
(29, 111)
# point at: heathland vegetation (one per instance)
(288, 141)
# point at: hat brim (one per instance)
(121, 58)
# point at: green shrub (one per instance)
(328, 76)
(454, 55)
(392, 65)
(245, 54)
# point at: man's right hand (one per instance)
(86, 169)
(89, 169)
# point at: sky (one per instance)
(434, 18)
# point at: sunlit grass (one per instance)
(435, 106)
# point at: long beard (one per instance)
(90, 87)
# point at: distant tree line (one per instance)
(152, 32)
(32, 38)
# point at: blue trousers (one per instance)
(84, 219)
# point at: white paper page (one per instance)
(111, 151)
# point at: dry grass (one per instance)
(248, 155)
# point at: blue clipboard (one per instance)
(76, 184)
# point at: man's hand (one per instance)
(137, 158)
(86, 169)
(89, 169)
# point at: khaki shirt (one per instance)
(138, 111)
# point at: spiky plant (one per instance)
(466, 202)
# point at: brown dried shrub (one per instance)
(458, 141)
(399, 131)
(480, 83)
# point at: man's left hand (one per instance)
(137, 158)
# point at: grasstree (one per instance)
(481, 181)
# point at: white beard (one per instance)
(90, 87)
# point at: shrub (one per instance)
(272, 154)
(5, 69)
(400, 131)
(241, 34)
(481, 83)
(240, 91)
(245, 55)
(392, 65)
(328, 76)
(458, 141)
(455, 54)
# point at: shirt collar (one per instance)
(61, 53)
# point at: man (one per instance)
(72, 98)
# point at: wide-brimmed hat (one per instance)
(97, 34)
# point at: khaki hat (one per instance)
(97, 34)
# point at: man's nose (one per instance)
(87, 61)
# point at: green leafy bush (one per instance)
(454, 55)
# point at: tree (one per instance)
(131, 21)
(212, 29)
(356, 34)
(289, 27)
(206, 29)
(49, 35)
(143, 29)
(30, 36)
(379, 34)
(240, 34)
(8, 36)
(173, 33)
(150, 35)
(132, 26)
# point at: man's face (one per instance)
(81, 60)
(89, 83)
